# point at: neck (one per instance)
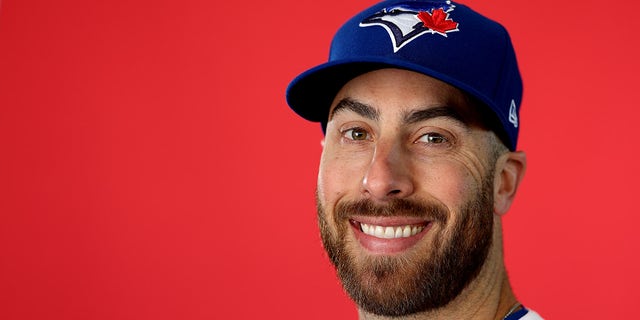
(488, 296)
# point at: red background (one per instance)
(151, 169)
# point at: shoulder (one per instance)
(531, 315)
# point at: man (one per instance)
(419, 104)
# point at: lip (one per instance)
(381, 246)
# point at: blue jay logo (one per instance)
(406, 22)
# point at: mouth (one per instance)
(389, 232)
(388, 236)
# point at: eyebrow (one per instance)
(413, 117)
(434, 112)
(360, 108)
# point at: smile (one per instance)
(391, 232)
(388, 235)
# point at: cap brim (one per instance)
(311, 93)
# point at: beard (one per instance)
(421, 279)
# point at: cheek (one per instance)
(461, 177)
(448, 183)
(337, 176)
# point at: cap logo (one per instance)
(513, 114)
(406, 22)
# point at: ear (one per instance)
(510, 169)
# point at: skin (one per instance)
(381, 152)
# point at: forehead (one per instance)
(402, 91)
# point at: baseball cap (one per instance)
(441, 39)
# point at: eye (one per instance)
(357, 134)
(433, 138)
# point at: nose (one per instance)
(388, 175)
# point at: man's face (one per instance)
(405, 190)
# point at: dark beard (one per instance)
(417, 282)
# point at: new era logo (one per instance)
(513, 114)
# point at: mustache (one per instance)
(396, 207)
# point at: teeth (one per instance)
(379, 232)
(406, 231)
(390, 232)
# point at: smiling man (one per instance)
(419, 103)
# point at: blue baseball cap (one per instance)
(441, 39)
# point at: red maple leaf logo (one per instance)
(437, 21)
